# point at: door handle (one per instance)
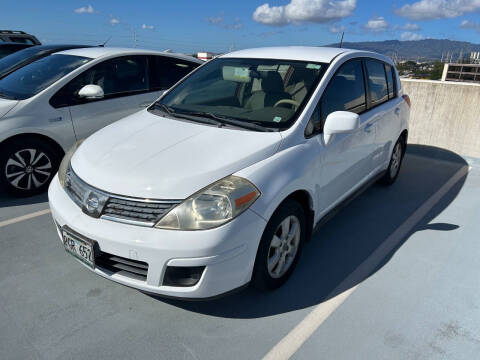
(368, 128)
(397, 111)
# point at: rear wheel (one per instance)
(280, 246)
(27, 166)
(395, 162)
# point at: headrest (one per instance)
(272, 82)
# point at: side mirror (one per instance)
(91, 92)
(340, 122)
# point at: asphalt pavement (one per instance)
(394, 275)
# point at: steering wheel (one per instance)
(287, 101)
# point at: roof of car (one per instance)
(301, 53)
(100, 51)
(59, 47)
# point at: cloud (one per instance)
(114, 20)
(471, 25)
(215, 20)
(410, 36)
(377, 24)
(300, 11)
(220, 21)
(411, 27)
(335, 28)
(147, 27)
(85, 10)
(437, 9)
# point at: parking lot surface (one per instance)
(393, 275)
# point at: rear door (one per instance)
(166, 71)
(381, 107)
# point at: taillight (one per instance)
(407, 100)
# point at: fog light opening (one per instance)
(183, 276)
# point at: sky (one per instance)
(218, 26)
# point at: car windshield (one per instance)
(37, 76)
(10, 61)
(269, 93)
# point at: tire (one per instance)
(395, 164)
(27, 166)
(264, 278)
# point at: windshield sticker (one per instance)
(313, 66)
(277, 119)
(241, 73)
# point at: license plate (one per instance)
(82, 249)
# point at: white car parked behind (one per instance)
(48, 105)
(222, 180)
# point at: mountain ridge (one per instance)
(427, 49)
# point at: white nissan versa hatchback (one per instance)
(51, 103)
(221, 181)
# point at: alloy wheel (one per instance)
(28, 169)
(396, 160)
(283, 247)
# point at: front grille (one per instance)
(133, 269)
(142, 212)
(148, 212)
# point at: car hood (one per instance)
(6, 105)
(149, 156)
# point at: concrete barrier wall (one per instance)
(445, 114)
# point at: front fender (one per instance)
(278, 176)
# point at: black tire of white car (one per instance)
(395, 164)
(288, 245)
(27, 166)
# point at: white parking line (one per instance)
(298, 335)
(24, 217)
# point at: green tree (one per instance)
(437, 71)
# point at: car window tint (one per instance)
(346, 90)
(122, 75)
(37, 76)
(390, 82)
(166, 71)
(22, 40)
(377, 83)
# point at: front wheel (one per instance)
(27, 166)
(280, 246)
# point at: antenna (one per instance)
(341, 41)
(105, 43)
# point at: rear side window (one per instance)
(391, 83)
(377, 82)
(22, 40)
(346, 91)
(166, 71)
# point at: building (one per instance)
(475, 57)
(461, 72)
(205, 56)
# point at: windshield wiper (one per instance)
(169, 110)
(230, 121)
(192, 117)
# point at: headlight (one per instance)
(213, 206)
(62, 170)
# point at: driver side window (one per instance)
(121, 76)
(345, 92)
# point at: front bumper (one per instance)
(227, 252)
